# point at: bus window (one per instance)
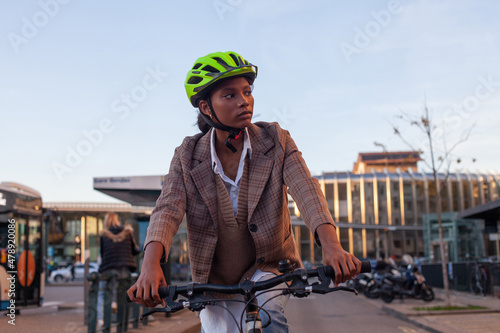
(20, 234)
(34, 236)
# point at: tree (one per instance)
(425, 124)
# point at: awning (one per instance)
(136, 190)
(489, 212)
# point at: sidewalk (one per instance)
(68, 318)
(458, 321)
(63, 311)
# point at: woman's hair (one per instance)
(202, 124)
(111, 220)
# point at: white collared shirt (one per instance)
(231, 186)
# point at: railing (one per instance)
(461, 276)
(126, 313)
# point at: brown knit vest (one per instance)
(234, 257)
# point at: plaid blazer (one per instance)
(190, 188)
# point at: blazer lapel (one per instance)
(204, 177)
(260, 166)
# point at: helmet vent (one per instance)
(210, 69)
(194, 80)
(222, 62)
(198, 65)
(235, 58)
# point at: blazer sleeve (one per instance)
(170, 208)
(304, 189)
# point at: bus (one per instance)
(22, 276)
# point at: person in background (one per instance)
(118, 248)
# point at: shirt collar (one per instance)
(247, 149)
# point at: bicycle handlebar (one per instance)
(248, 286)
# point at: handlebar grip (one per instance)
(162, 291)
(366, 267)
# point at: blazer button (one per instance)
(253, 227)
(260, 260)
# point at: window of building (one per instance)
(495, 193)
(342, 191)
(344, 238)
(369, 214)
(357, 243)
(432, 196)
(445, 204)
(381, 189)
(455, 194)
(466, 194)
(408, 202)
(486, 190)
(342, 188)
(371, 243)
(475, 193)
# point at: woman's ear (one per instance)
(203, 105)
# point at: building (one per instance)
(380, 210)
(76, 227)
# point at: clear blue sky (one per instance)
(334, 73)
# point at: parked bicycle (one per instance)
(195, 296)
(479, 279)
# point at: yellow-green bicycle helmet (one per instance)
(211, 69)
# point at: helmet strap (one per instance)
(234, 133)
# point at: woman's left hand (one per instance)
(345, 265)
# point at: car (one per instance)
(64, 274)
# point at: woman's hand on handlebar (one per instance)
(145, 290)
(345, 265)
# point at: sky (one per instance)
(96, 88)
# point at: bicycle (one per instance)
(195, 298)
(479, 279)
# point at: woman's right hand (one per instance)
(145, 290)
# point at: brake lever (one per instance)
(170, 305)
(324, 286)
(319, 289)
(155, 310)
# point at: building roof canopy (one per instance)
(489, 211)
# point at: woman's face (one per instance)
(232, 101)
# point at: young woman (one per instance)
(118, 249)
(231, 181)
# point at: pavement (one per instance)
(457, 321)
(68, 316)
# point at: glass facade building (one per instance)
(74, 228)
(381, 213)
